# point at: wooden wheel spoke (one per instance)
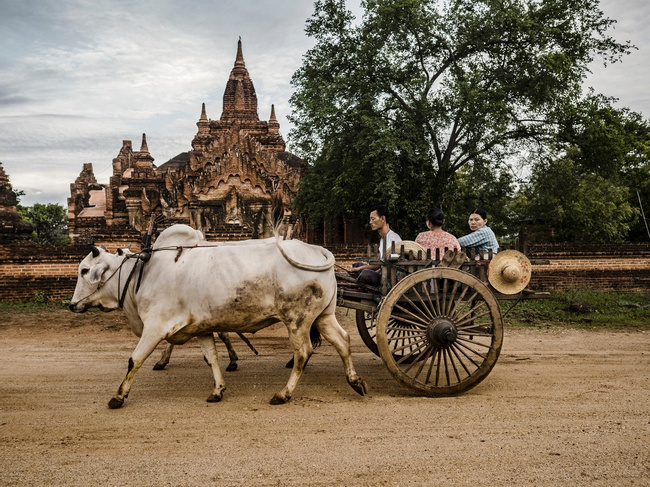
(424, 304)
(476, 329)
(450, 301)
(426, 354)
(470, 344)
(460, 360)
(460, 349)
(459, 300)
(409, 312)
(444, 296)
(434, 355)
(431, 306)
(453, 365)
(437, 381)
(477, 333)
(444, 356)
(410, 330)
(412, 343)
(436, 292)
(416, 324)
(415, 354)
(467, 312)
(472, 318)
(402, 344)
(423, 309)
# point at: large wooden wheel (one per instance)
(439, 331)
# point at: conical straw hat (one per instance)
(409, 245)
(509, 272)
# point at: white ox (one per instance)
(229, 287)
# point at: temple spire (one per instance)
(274, 125)
(204, 117)
(143, 147)
(239, 98)
(239, 60)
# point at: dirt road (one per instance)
(561, 407)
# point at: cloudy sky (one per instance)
(79, 76)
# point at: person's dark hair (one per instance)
(481, 212)
(436, 217)
(382, 210)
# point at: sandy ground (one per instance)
(561, 407)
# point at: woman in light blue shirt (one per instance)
(482, 237)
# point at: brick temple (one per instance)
(222, 187)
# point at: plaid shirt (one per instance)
(483, 239)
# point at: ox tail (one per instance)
(277, 215)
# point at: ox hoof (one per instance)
(159, 366)
(115, 403)
(215, 397)
(232, 366)
(279, 399)
(359, 386)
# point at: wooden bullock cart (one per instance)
(436, 321)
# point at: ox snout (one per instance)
(76, 308)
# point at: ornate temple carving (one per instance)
(223, 186)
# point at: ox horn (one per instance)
(94, 250)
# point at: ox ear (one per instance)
(94, 250)
(96, 273)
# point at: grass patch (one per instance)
(38, 303)
(582, 309)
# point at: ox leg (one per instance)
(330, 328)
(145, 347)
(164, 358)
(232, 366)
(209, 350)
(302, 350)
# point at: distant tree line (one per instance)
(49, 221)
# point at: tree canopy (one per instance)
(390, 107)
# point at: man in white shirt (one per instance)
(371, 274)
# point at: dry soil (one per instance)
(561, 407)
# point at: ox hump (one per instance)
(178, 235)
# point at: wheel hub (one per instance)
(442, 332)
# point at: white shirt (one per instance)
(390, 237)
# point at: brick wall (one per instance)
(613, 267)
(27, 269)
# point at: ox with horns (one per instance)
(193, 291)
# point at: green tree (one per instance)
(389, 108)
(575, 205)
(49, 222)
(605, 139)
(588, 191)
